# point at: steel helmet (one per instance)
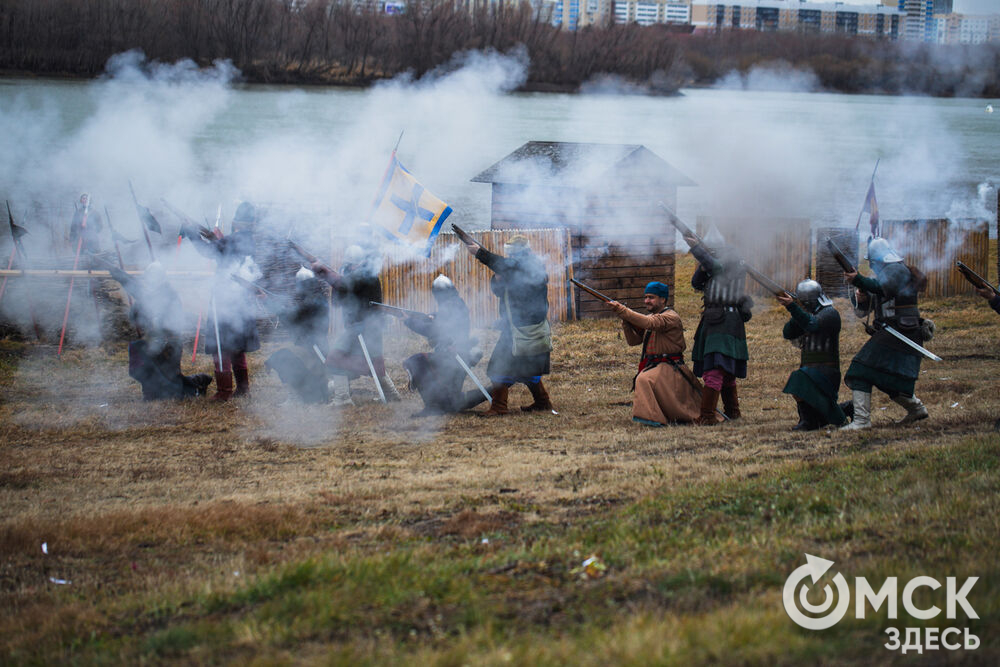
(879, 250)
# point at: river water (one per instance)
(795, 154)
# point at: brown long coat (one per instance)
(662, 395)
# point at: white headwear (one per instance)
(303, 275)
(442, 282)
(354, 254)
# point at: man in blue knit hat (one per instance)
(666, 391)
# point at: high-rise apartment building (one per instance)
(648, 12)
(875, 20)
(918, 23)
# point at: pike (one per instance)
(371, 367)
(76, 263)
(977, 280)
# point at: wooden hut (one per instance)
(607, 196)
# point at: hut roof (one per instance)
(569, 164)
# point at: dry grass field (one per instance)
(276, 533)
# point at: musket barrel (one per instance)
(591, 291)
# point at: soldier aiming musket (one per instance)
(720, 352)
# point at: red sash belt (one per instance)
(651, 360)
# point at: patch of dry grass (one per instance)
(149, 503)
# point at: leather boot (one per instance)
(709, 399)
(242, 376)
(223, 386)
(862, 411)
(915, 409)
(340, 390)
(730, 402)
(498, 394)
(541, 396)
(807, 421)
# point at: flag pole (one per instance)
(870, 183)
(388, 170)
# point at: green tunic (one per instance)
(818, 377)
(884, 361)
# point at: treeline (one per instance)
(353, 42)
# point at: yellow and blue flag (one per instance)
(406, 211)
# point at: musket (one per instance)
(977, 280)
(397, 309)
(311, 258)
(839, 255)
(768, 284)
(251, 285)
(140, 209)
(592, 292)
(463, 235)
(685, 231)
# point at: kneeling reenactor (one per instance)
(815, 328)
(665, 390)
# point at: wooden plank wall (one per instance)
(933, 246)
(780, 249)
(621, 240)
(408, 284)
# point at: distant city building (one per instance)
(875, 20)
(967, 28)
(648, 12)
(943, 6)
(574, 14)
(918, 20)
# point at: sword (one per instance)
(919, 348)
(371, 367)
(474, 378)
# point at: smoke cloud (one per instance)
(763, 145)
